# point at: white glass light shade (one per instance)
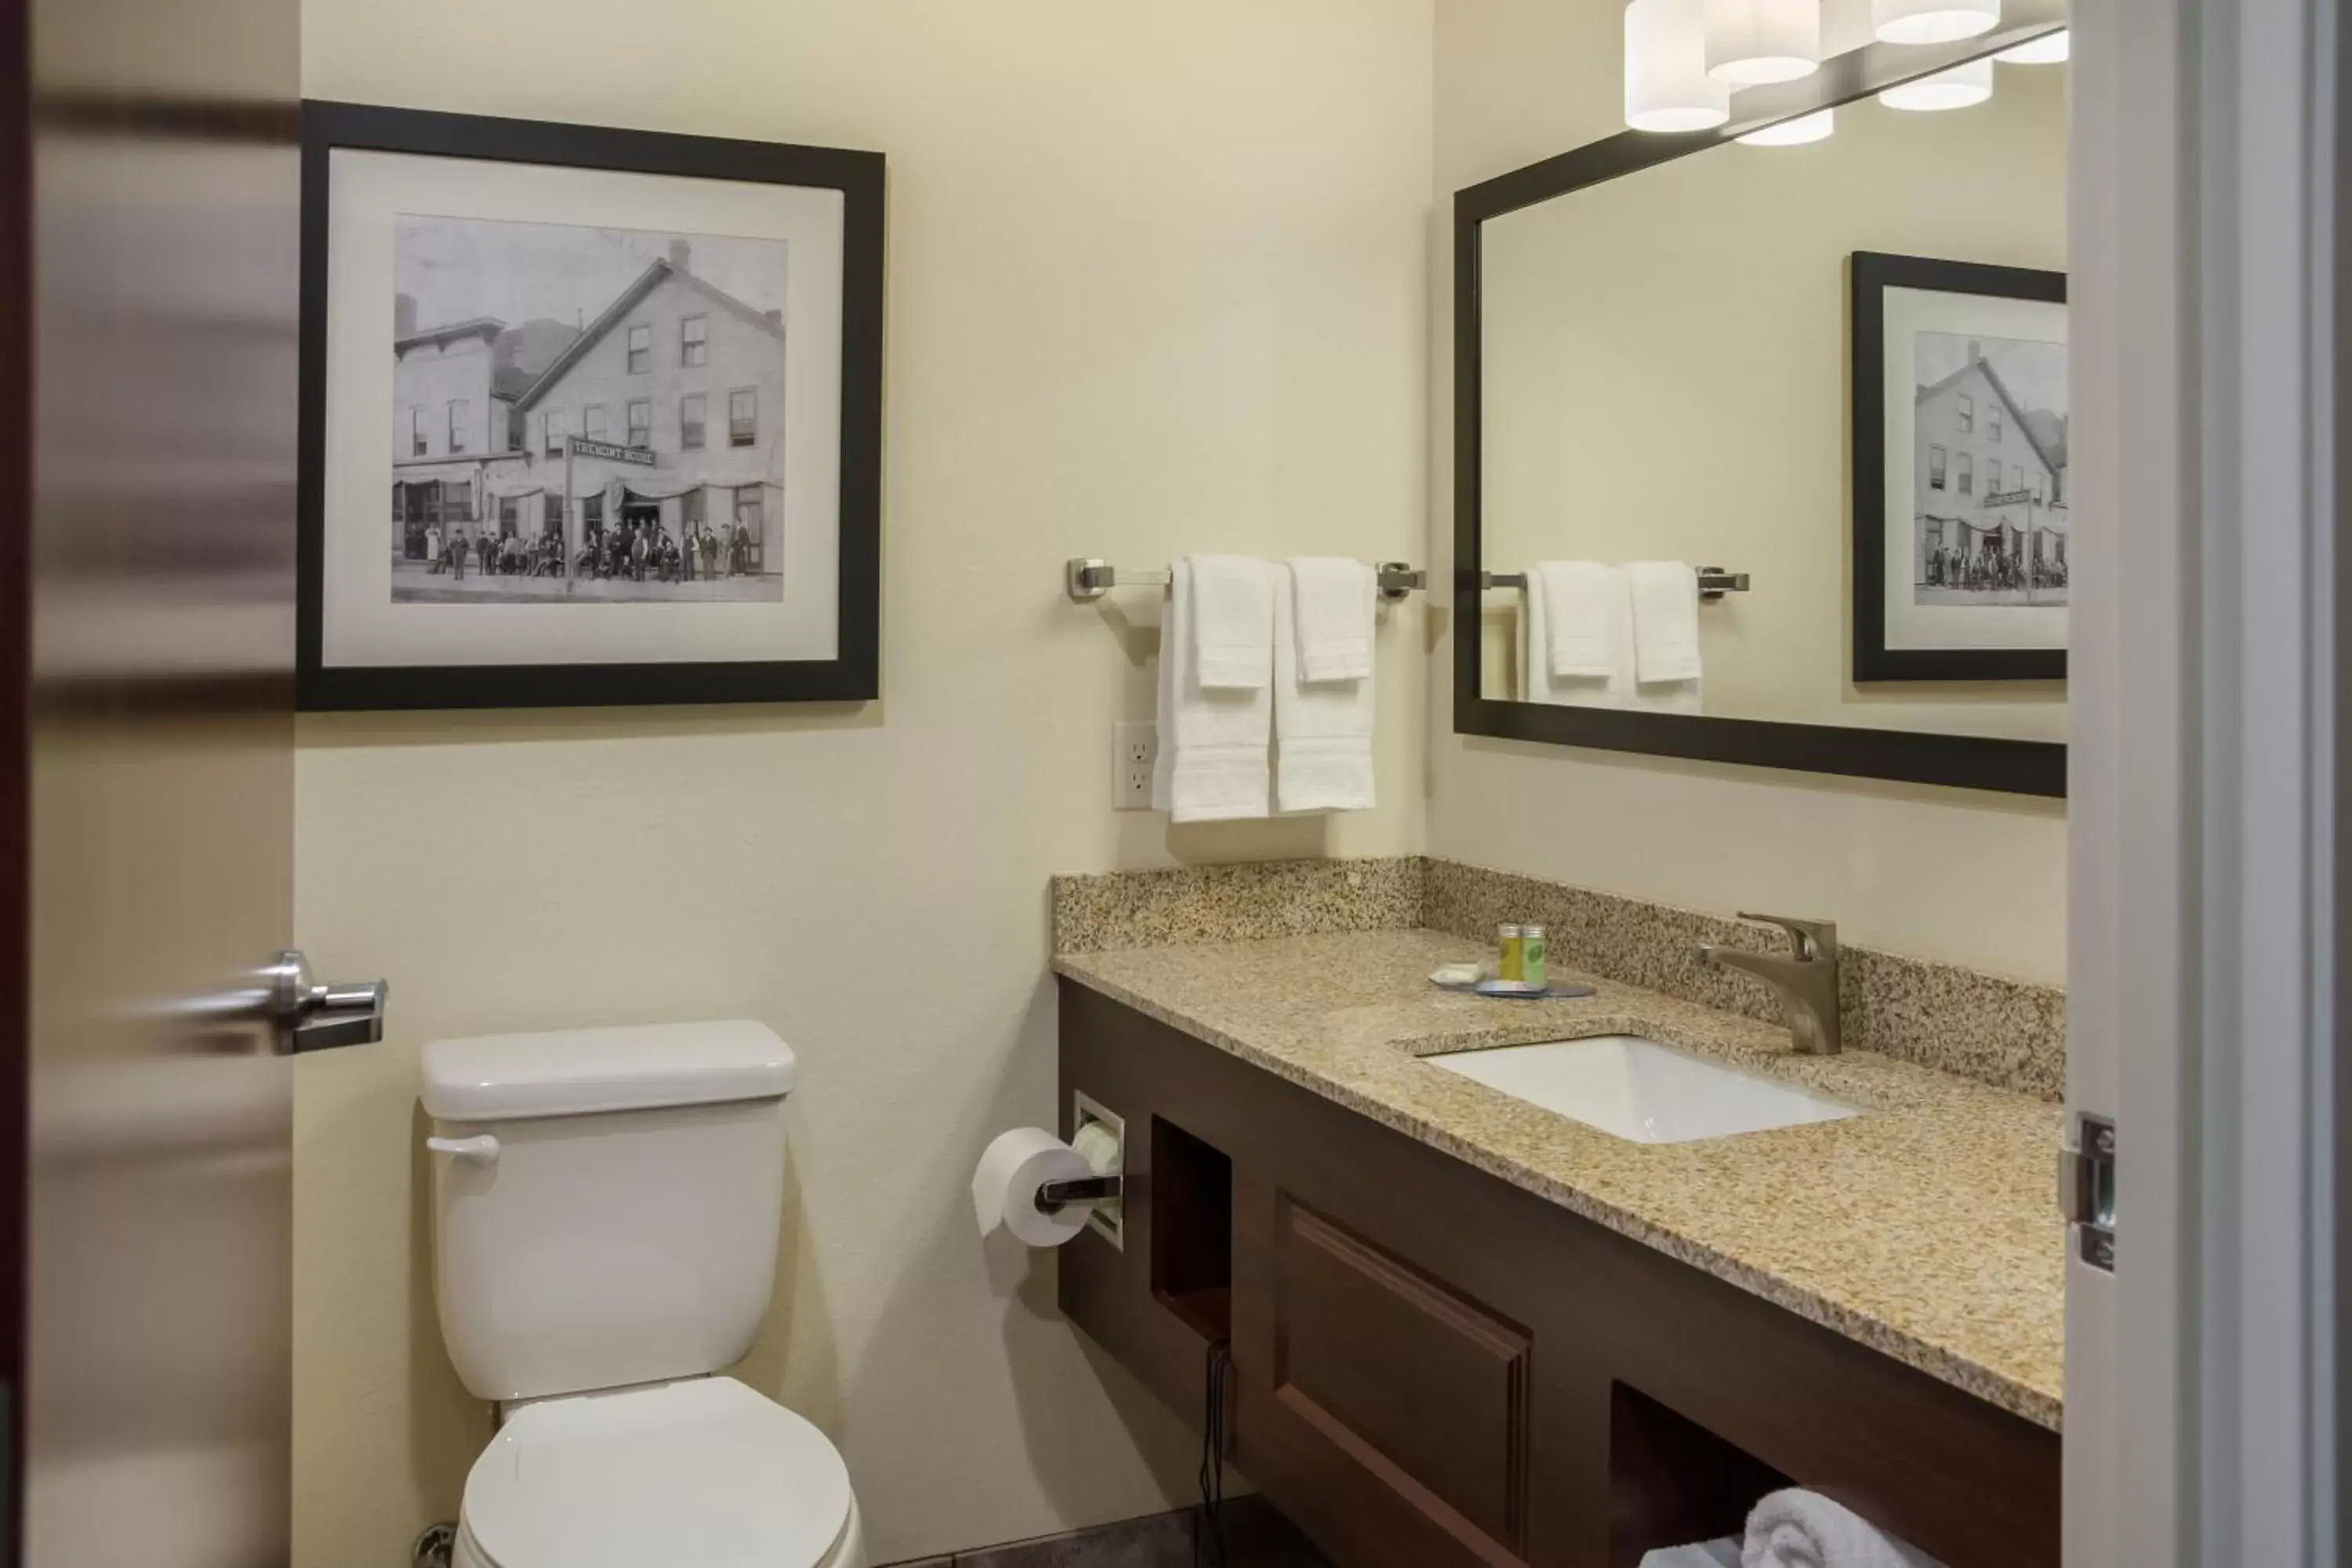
(1794, 132)
(1932, 21)
(1666, 84)
(2049, 50)
(1961, 87)
(1752, 42)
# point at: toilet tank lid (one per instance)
(572, 1072)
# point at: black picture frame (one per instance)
(1870, 275)
(853, 673)
(1967, 762)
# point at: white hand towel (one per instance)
(1331, 601)
(1797, 1529)
(1233, 622)
(1665, 620)
(1322, 729)
(1581, 606)
(1213, 762)
(1613, 609)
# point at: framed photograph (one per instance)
(1962, 531)
(589, 415)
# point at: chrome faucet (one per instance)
(1807, 983)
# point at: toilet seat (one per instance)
(699, 1473)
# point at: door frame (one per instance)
(2205, 1377)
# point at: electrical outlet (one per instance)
(1134, 747)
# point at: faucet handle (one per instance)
(1816, 941)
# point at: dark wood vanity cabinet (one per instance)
(1433, 1367)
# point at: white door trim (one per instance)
(2202, 1376)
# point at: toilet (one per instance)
(606, 1207)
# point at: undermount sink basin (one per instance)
(1640, 1090)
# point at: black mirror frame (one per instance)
(1968, 761)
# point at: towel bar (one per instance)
(1083, 578)
(1714, 581)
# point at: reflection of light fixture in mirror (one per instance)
(1753, 42)
(1932, 21)
(1961, 87)
(2049, 50)
(1794, 132)
(1666, 84)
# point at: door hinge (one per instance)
(2086, 1189)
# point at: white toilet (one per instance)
(605, 1209)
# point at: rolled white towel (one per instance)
(1797, 1529)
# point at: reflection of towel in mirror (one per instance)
(1617, 688)
(1665, 620)
(1797, 1529)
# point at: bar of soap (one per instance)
(1454, 974)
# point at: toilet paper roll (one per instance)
(1004, 1187)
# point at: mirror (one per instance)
(1835, 372)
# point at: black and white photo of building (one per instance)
(1990, 521)
(586, 414)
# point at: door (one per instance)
(147, 408)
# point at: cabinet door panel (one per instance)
(1422, 1387)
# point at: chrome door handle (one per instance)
(305, 1016)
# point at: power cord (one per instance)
(1210, 1522)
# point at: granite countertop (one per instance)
(1924, 1228)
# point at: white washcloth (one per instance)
(1233, 622)
(1617, 688)
(1665, 620)
(1322, 729)
(1331, 600)
(1580, 605)
(1797, 1529)
(1213, 762)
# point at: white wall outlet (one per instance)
(1134, 747)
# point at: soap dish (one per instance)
(1457, 976)
(1521, 991)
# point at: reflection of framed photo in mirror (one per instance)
(1961, 532)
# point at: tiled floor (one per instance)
(1257, 1536)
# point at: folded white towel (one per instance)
(1233, 622)
(1331, 601)
(1665, 620)
(1612, 608)
(1581, 603)
(1797, 1529)
(1213, 762)
(1322, 729)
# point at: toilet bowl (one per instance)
(701, 1472)
(607, 1211)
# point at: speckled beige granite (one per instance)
(2007, 1033)
(1239, 902)
(1924, 1228)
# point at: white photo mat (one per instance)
(361, 626)
(1945, 628)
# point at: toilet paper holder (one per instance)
(1052, 1197)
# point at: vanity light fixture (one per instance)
(1750, 43)
(1962, 87)
(2049, 50)
(1794, 132)
(1932, 21)
(1666, 84)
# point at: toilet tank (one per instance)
(610, 1214)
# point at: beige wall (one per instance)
(1157, 284)
(1665, 362)
(1973, 878)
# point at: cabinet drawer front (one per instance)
(1415, 1381)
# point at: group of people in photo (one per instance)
(1992, 567)
(635, 551)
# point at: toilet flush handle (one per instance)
(482, 1147)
